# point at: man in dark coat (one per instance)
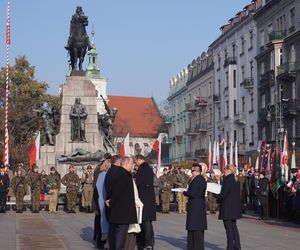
(122, 204)
(230, 208)
(144, 182)
(4, 186)
(262, 194)
(196, 221)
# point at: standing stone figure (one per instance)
(78, 116)
(78, 41)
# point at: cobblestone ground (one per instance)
(75, 231)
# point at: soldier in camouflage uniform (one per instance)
(165, 183)
(212, 200)
(19, 187)
(53, 183)
(72, 182)
(181, 181)
(87, 193)
(34, 180)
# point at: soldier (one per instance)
(212, 201)
(4, 185)
(242, 178)
(72, 182)
(10, 174)
(35, 183)
(181, 181)
(87, 193)
(165, 182)
(53, 187)
(19, 186)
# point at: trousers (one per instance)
(146, 237)
(181, 199)
(53, 200)
(232, 233)
(195, 240)
(117, 236)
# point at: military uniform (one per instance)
(35, 183)
(211, 199)
(19, 186)
(165, 183)
(72, 182)
(53, 187)
(181, 181)
(4, 184)
(242, 179)
(87, 193)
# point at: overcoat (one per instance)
(196, 207)
(229, 199)
(122, 203)
(144, 183)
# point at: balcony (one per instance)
(217, 98)
(201, 153)
(229, 61)
(240, 119)
(221, 124)
(266, 78)
(248, 83)
(277, 35)
(189, 107)
(203, 127)
(292, 108)
(263, 115)
(188, 155)
(192, 131)
(288, 70)
(201, 101)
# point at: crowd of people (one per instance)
(124, 193)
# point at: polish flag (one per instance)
(125, 149)
(214, 157)
(209, 155)
(224, 162)
(231, 154)
(34, 152)
(236, 159)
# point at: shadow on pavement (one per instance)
(87, 234)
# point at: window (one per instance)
(272, 95)
(262, 38)
(262, 68)
(219, 112)
(243, 73)
(234, 107)
(219, 61)
(251, 69)
(227, 109)
(281, 56)
(263, 101)
(219, 86)
(227, 137)
(243, 104)
(292, 53)
(210, 116)
(234, 78)
(270, 29)
(293, 127)
(242, 45)
(250, 39)
(292, 18)
(227, 79)
(252, 134)
(251, 102)
(244, 136)
(225, 54)
(233, 50)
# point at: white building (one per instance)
(235, 82)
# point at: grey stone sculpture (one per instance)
(81, 155)
(78, 116)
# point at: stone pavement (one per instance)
(75, 231)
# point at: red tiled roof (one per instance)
(138, 116)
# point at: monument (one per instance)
(79, 139)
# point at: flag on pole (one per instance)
(268, 166)
(293, 160)
(34, 152)
(214, 158)
(209, 155)
(218, 154)
(125, 149)
(285, 159)
(231, 153)
(236, 155)
(278, 171)
(224, 154)
(157, 149)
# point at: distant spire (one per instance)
(93, 70)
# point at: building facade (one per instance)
(199, 107)
(235, 82)
(278, 66)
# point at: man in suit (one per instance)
(144, 182)
(122, 205)
(230, 207)
(196, 221)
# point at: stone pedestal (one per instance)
(75, 86)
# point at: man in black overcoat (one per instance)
(230, 208)
(122, 205)
(4, 186)
(196, 221)
(262, 194)
(144, 182)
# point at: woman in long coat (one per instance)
(230, 208)
(196, 221)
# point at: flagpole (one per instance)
(6, 140)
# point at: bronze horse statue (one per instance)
(78, 41)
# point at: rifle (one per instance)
(35, 181)
(19, 183)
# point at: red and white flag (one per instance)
(157, 148)
(231, 153)
(34, 152)
(209, 155)
(125, 149)
(214, 155)
(218, 153)
(224, 162)
(236, 159)
(285, 159)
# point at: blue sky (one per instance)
(141, 43)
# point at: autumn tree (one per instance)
(25, 94)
